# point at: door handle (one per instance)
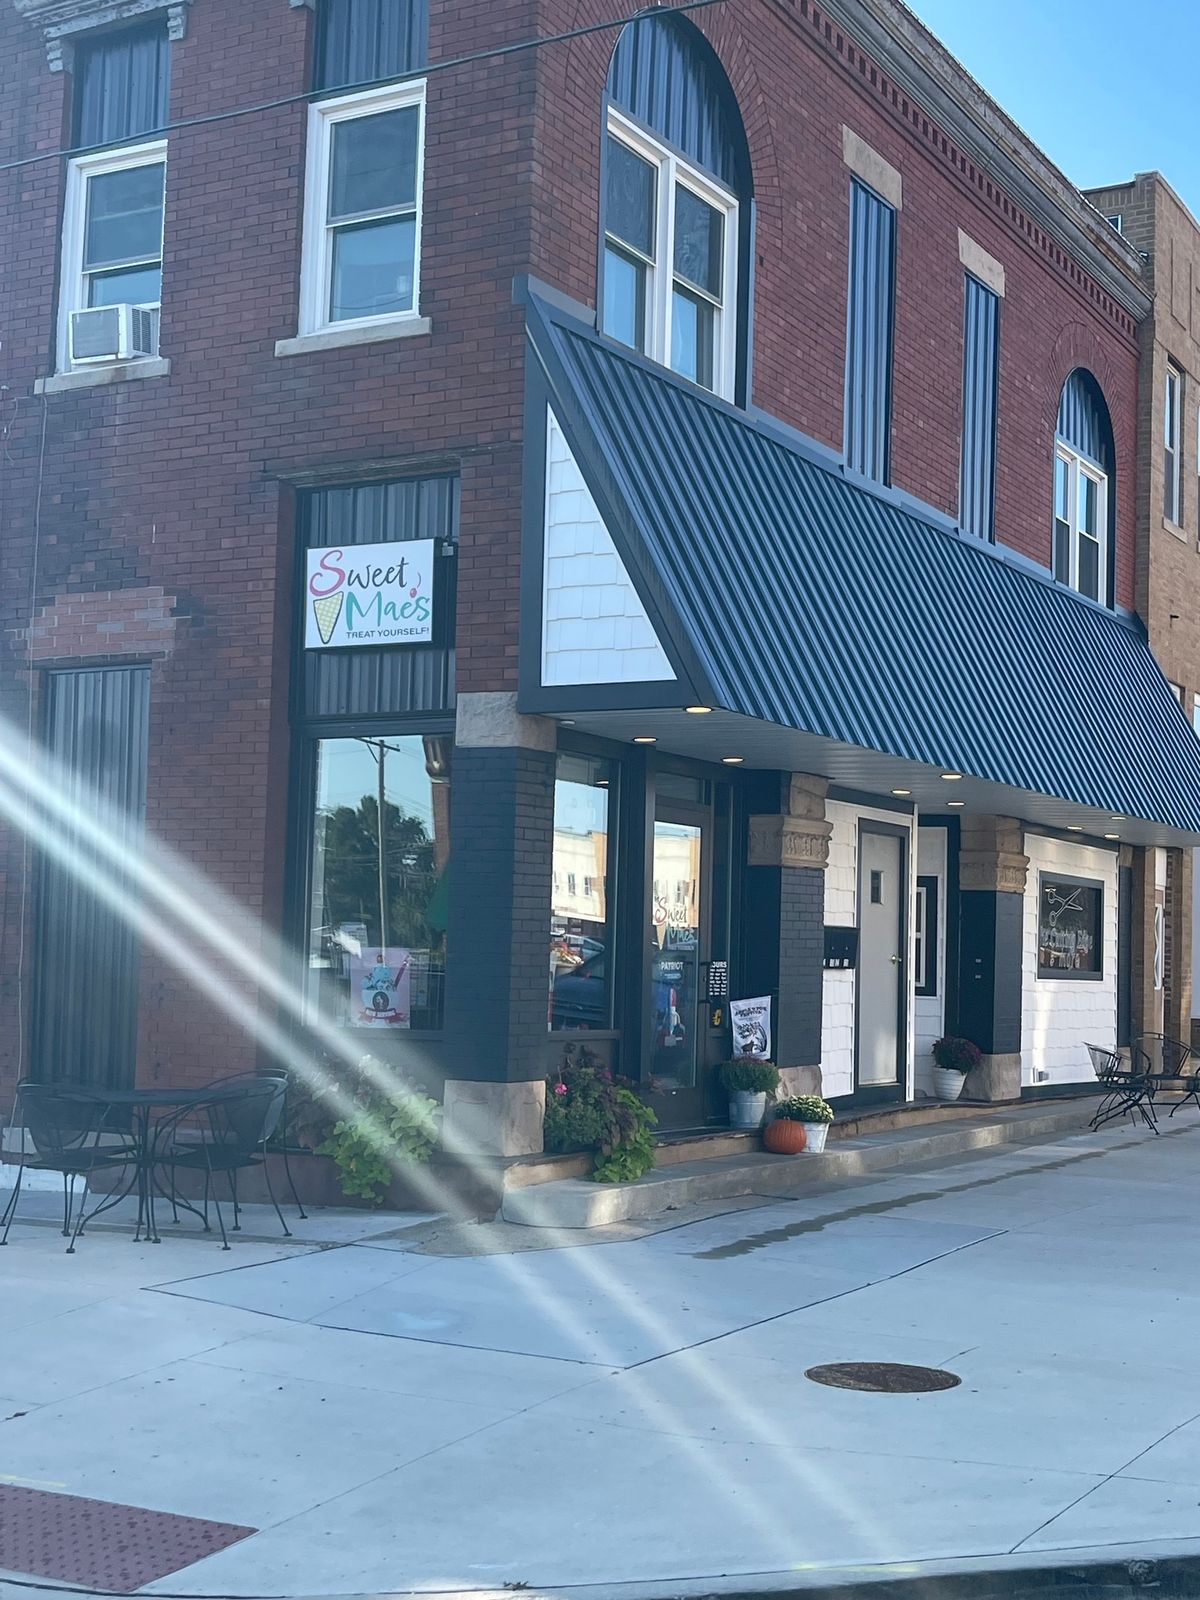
(895, 961)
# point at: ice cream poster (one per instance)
(380, 988)
(370, 594)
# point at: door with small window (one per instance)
(881, 998)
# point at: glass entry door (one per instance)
(677, 1062)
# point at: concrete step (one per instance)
(579, 1203)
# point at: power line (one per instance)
(307, 95)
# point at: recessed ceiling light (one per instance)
(644, 738)
(1074, 827)
(901, 791)
(697, 711)
(951, 777)
(958, 803)
(1120, 818)
(733, 761)
(567, 722)
(1112, 835)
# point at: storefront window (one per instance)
(581, 896)
(1070, 928)
(380, 856)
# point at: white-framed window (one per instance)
(1172, 403)
(670, 259)
(362, 208)
(112, 235)
(1080, 523)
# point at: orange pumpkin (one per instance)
(783, 1137)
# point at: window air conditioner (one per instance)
(111, 333)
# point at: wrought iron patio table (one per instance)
(142, 1104)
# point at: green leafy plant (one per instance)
(588, 1109)
(956, 1055)
(804, 1108)
(387, 1131)
(749, 1075)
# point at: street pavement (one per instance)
(392, 1411)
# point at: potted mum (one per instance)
(748, 1081)
(807, 1112)
(952, 1060)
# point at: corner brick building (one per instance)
(709, 382)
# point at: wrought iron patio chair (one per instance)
(65, 1134)
(1169, 1062)
(1128, 1085)
(229, 1134)
(278, 1075)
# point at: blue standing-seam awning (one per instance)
(798, 596)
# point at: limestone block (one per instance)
(995, 1078)
(493, 1119)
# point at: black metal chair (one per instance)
(1169, 1060)
(1128, 1085)
(230, 1134)
(66, 1135)
(276, 1075)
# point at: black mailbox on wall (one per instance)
(841, 948)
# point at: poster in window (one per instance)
(381, 988)
(1070, 928)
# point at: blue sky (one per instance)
(1088, 80)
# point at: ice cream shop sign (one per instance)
(370, 594)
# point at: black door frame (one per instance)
(885, 1093)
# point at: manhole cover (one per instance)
(882, 1377)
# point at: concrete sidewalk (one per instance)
(391, 1410)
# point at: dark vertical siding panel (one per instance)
(663, 75)
(869, 333)
(361, 40)
(86, 953)
(382, 682)
(981, 350)
(123, 85)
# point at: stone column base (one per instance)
(995, 1078)
(493, 1119)
(799, 1080)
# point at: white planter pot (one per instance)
(747, 1110)
(948, 1084)
(816, 1133)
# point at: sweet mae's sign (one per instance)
(370, 594)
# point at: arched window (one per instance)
(1084, 488)
(677, 191)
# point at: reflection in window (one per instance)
(581, 897)
(1080, 520)
(377, 928)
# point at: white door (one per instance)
(881, 974)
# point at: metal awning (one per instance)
(852, 627)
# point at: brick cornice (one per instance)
(1025, 191)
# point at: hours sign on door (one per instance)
(370, 594)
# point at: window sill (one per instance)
(98, 377)
(1173, 527)
(365, 333)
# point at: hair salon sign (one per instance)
(370, 594)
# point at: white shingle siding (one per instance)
(1061, 1016)
(594, 627)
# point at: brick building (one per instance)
(1149, 213)
(564, 524)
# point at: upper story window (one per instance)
(362, 214)
(1084, 512)
(869, 332)
(1172, 435)
(363, 41)
(981, 360)
(670, 260)
(113, 212)
(676, 191)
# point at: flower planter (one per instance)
(948, 1084)
(746, 1110)
(783, 1137)
(815, 1135)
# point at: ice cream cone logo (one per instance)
(327, 610)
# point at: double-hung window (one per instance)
(1172, 478)
(1080, 523)
(362, 224)
(113, 211)
(670, 259)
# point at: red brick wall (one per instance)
(797, 87)
(177, 487)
